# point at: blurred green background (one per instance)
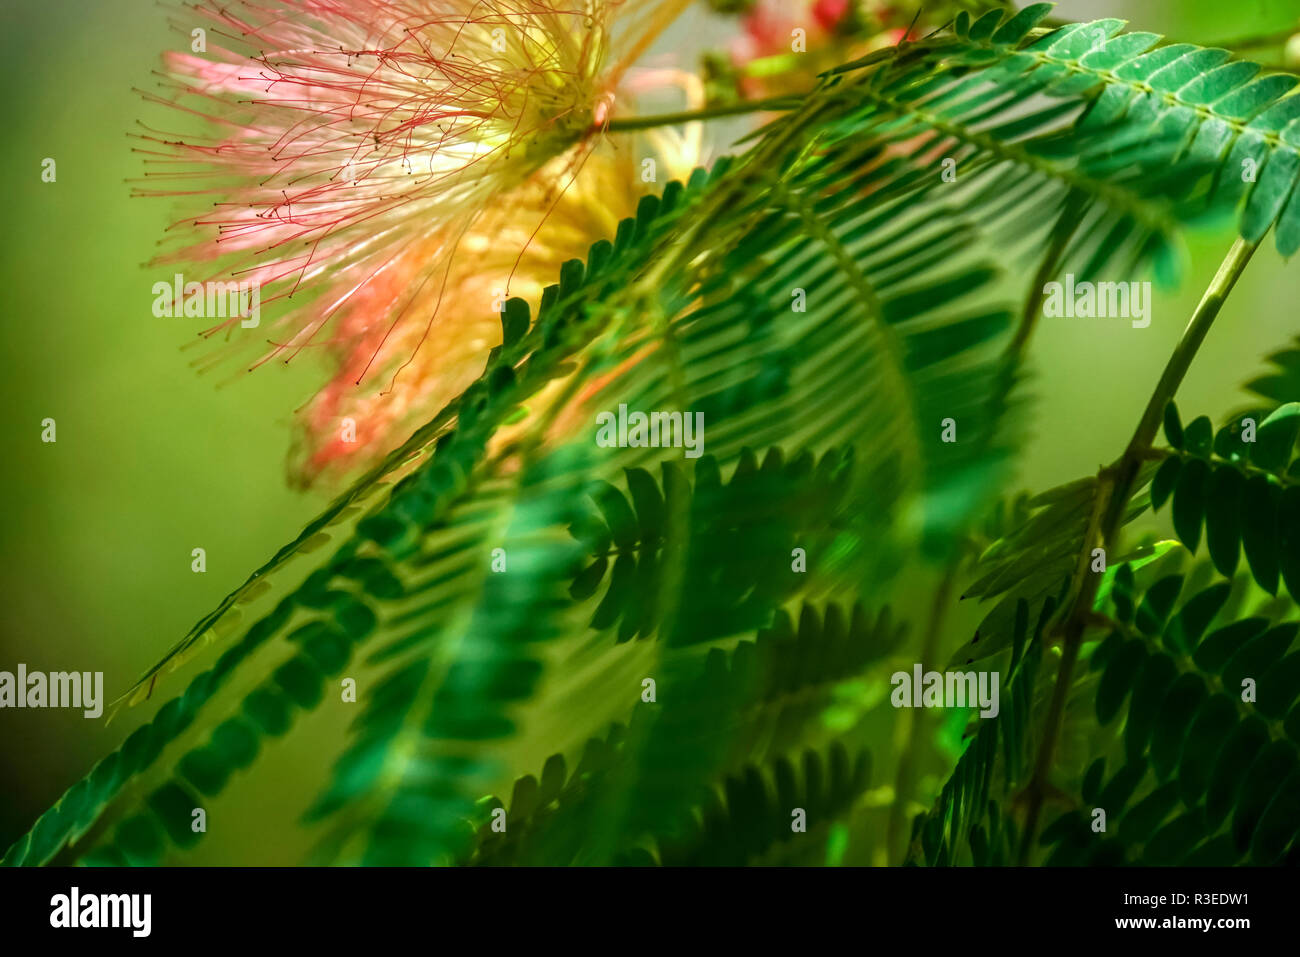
(153, 459)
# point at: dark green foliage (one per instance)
(746, 820)
(504, 587)
(1199, 766)
(707, 804)
(1243, 493)
(1282, 384)
(1176, 118)
(734, 531)
(1031, 563)
(966, 817)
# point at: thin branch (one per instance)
(1067, 225)
(631, 123)
(1207, 310)
(1115, 486)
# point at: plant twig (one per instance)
(1115, 486)
(1067, 224)
(630, 123)
(1207, 310)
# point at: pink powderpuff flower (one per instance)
(350, 153)
(346, 426)
(419, 368)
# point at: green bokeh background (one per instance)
(153, 459)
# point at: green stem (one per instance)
(1207, 310)
(631, 123)
(1067, 225)
(1115, 486)
(1083, 593)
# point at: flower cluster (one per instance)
(380, 169)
